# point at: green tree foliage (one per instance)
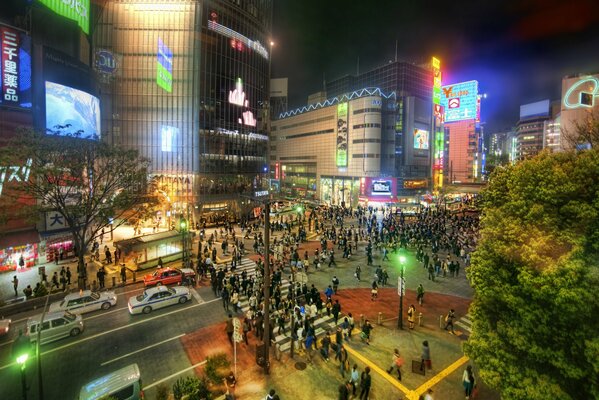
(191, 388)
(535, 275)
(90, 182)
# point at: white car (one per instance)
(85, 301)
(158, 297)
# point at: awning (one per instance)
(20, 238)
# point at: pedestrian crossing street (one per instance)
(465, 324)
(322, 324)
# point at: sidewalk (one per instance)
(31, 276)
(299, 379)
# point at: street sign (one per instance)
(237, 335)
(401, 286)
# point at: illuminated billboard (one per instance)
(436, 63)
(15, 68)
(237, 97)
(582, 93)
(420, 139)
(73, 107)
(381, 188)
(164, 67)
(341, 155)
(460, 101)
(168, 137)
(76, 10)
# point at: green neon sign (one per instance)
(76, 10)
(342, 141)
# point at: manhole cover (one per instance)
(300, 365)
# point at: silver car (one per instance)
(56, 325)
(85, 301)
(158, 297)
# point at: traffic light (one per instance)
(299, 209)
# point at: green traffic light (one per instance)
(183, 224)
(22, 359)
(402, 259)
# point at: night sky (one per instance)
(517, 50)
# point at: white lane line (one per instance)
(140, 350)
(196, 295)
(104, 313)
(130, 291)
(173, 375)
(114, 330)
(19, 320)
(5, 343)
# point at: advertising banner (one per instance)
(436, 63)
(164, 67)
(15, 68)
(460, 101)
(76, 10)
(421, 139)
(342, 135)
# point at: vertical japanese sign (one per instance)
(164, 67)
(10, 65)
(439, 159)
(436, 63)
(342, 135)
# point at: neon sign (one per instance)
(586, 94)
(14, 174)
(460, 101)
(15, 67)
(237, 97)
(436, 81)
(255, 45)
(164, 67)
(76, 10)
(342, 141)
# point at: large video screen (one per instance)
(68, 106)
(420, 139)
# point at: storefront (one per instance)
(14, 245)
(143, 252)
(340, 190)
(54, 244)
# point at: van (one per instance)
(56, 325)
(123, 384)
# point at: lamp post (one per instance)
(401, 289)
(183, 230)
(20, 350)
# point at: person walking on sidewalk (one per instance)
(68, 275)
(358, 272)
(449, 320)
(396, 362)
(230, 328)
(332, 258)
(411, 315)
(365, 383)
(343, 360)
(15, 285)
(354, 378)
(123, 274)
(420, 294)
(55, 281)
(375, 291)
(468, 381)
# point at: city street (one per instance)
(111, 340)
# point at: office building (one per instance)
(531, 127)
(186, 84)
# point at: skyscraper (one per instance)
(188, 86)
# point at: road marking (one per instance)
(142, 349)
(114, 330)
(196, 295)
(441, 375)
(5, 343)
(175, 374)
(131, 291)
(378, 369)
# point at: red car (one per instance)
(169, 276)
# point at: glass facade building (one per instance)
(187, 85)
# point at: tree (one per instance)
(584, 132)
(93, 185)
(535, 276)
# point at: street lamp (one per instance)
(183, 229)
(20, 350)
(401, 289)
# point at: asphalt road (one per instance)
(111, 340)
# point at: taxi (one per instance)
(85, 301)
(158, 297)
(169, 276)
